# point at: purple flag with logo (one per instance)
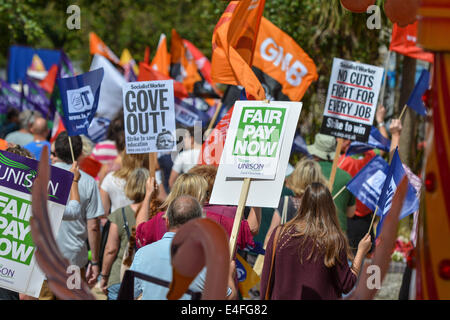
(367, 184)
(36, 95)
(376, 141)
(415, 100)
(393, 179)
(79, 96)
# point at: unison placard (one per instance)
(351, 100)
(18, 269)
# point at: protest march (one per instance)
(234, 151)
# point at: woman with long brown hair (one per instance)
(311, 252)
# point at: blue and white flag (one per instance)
(79, 96)
(367, 184)
(415, 100)
(393, 179)
(98, 129)
(376, 141)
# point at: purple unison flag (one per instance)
(367, 184)
(415, 100)
(36, 95)
(79, 96)
(393, 179)
(9, 98)
(376, 141)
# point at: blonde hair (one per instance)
(135, 185)
(187, 184)
(131, 162)
(306, 172)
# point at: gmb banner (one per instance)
(18, 268)
(351, 100)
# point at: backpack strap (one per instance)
(270, 280)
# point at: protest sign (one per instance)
(149, 114)
(262, 192)
(79, 97)
(351, 100)
(254, 139)
(18, 269)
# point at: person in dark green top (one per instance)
(323, 151)
(118, 237)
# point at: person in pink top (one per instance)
(198, 182)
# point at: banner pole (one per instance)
(71, 149)
(339, 192)
(335, 163)
(403, 111)
(373, 219)
(239, 215)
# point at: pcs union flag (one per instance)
(79, 96)
(393, 179)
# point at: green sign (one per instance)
(259, 132)
(15, 242)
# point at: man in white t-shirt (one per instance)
(187, 158)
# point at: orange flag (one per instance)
(178, 60)
(278, 56)
(97, 46)
(233, 44)
(161, 60)
(147, 73)
(147, 55)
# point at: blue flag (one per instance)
(367, 184)
(393, 179)
(9, 98)
(188, 110)
(79, 97)
(376, 141)
(415, 100)
(299, 145)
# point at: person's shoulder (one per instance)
(343, 174)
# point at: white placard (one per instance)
(351, 100)
(149, 112)
(262, 193)
(254, 139)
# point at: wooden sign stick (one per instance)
(153, 161)
(238, 216)
(403, 111)
(71, 148)
(214, 118)
(335, 163)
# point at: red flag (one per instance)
(404, 41)
(212, 148)
(147, 73)
(48, 83)
(147, 55)
(233, 44)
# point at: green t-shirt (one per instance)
(266, 217)
(346, 198)
(117, 218)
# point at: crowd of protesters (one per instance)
(315, 241)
